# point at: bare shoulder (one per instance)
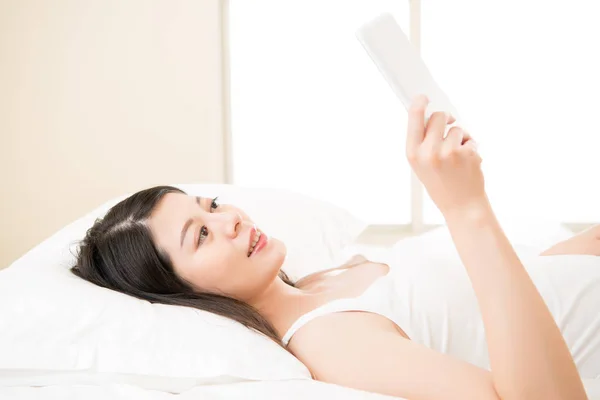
(355, 323)
(365, 351)
(313, 343)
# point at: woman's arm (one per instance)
(529, 358)
(586, 242)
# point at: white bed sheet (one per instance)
(291, 390)
(264, 390)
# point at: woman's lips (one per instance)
(253, 231)
(262, 242)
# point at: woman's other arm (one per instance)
(586, 242)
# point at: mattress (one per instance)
(291, 390)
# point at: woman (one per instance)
(166, 247)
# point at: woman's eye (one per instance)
(214, 205)
(203, 234)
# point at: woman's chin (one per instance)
(269, 260)
(273, 253)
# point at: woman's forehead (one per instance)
(169, 216)
(171, 203)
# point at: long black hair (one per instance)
(118, 253)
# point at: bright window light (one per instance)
(310, 112)
(525, 77)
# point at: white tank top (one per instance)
(375, 299)
(435, 305)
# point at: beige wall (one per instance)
(99, 98)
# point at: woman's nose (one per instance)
(232, 223)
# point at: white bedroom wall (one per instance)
(100, 98)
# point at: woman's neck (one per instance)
(279, 303)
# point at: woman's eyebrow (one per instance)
(184, 230)
(187, 224)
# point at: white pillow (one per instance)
(55, 327)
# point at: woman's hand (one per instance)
(450, 167)
(586, 242)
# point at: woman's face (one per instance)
(209, 246)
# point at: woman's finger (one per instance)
(454, 139)
(436, 128)
(469, 148)
(466, 137)
(416, 124)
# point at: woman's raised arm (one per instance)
(529, 358)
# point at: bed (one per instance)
(265, 390)
(63, 338)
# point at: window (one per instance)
(525, 77)
(310, 112)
